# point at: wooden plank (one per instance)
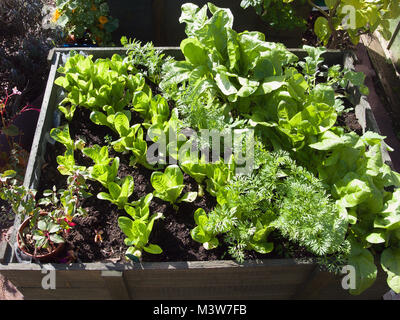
(64, 279)
(117, 288)
(223, 283)
(312, 285)
(115, 284)
(212, 293)
(331, 57)
(204, 293)
(32, 173)
(387, 76)
(104, 266)
(374, 112)
(335, 290)
(220, 277)
(66, 294)
(323, 285)
(107, 52)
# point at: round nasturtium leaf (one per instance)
(322, 30)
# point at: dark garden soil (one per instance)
(349, 121)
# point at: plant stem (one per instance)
(200, 192)
(319, 9)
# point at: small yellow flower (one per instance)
(56, 15)
(103, 20)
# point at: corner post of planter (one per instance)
(115, 284)
(4, 249)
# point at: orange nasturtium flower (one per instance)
(56, 15)
(93, 8)
(103, 20)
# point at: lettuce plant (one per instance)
(359, 180)
(138, 232)
(196, 168)
(153, 110)
(104, 174)
(102, 171)
(168, 138)
(201, 233)
(107, 119)
(66, 163)
(98, 154)
(260, 81)
(138, 227)
(131, 139)
(236, 66)
(62, 135)
(118, 193)
(104, 85)
(139, 209)
(169, 185)
(218, 175)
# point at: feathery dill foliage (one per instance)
(146, 56)
(222, 219)
(282, 196)
(199, 115)
(307, 214)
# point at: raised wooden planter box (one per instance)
(255, 279)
